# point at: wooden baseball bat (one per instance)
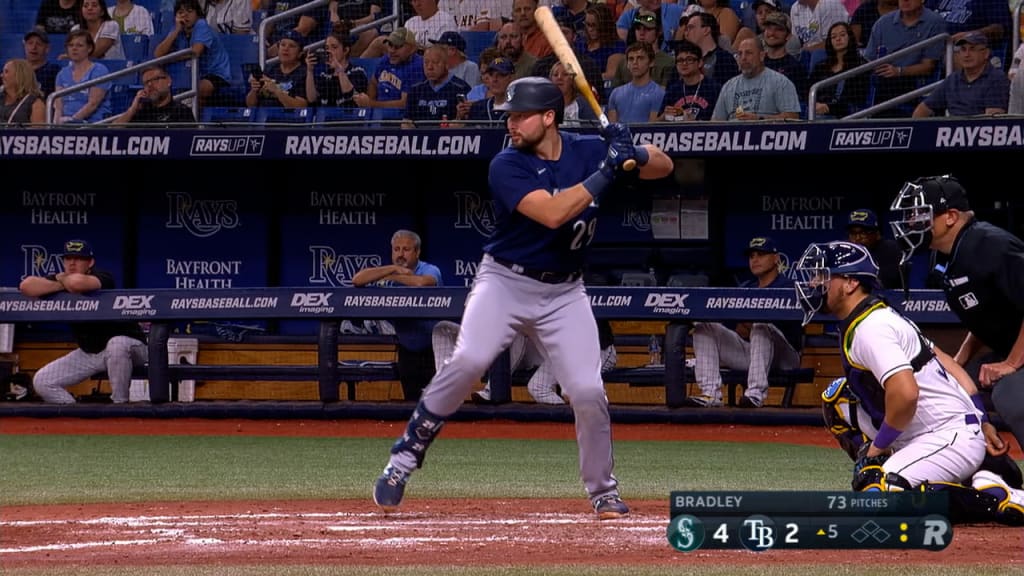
(553, 33)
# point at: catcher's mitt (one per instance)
(868, 473)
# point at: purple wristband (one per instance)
(886, 435)
(980, 405)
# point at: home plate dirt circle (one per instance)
(430, 532)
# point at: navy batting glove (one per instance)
(641, 155)
(616, 131)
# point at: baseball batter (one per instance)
(926, 424)
(545, 190)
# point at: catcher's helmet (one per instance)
(916, 206)
(821, 261)
(532, 93)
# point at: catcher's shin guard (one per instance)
(839, 409)
(423, 427)
(967, 505)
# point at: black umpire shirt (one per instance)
(92, 337)
(984, 284)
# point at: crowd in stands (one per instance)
(442, 61)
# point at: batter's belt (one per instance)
(539, 275)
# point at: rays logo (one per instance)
(859, 216)
(473, 212)
(636, 219)
(39, 262)
(333, 269)
(201, 218)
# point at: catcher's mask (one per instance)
(916, 207)
(820, 262)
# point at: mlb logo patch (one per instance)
(968, 301)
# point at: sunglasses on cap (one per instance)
(645, 19)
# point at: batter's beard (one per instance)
(525, 144)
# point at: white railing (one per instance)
(172, 57)
(812, 96)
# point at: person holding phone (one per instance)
(341, 80)
(154, 103)
(283, 83)
(191, 31)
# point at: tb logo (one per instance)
(758, 533)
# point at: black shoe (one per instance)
(478, 398)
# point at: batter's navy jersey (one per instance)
(514, 174)
(984, 284)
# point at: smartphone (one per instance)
(253, 70)
(460, 98)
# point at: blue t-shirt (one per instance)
(393, 79)
(427, 102)
(214, 61)
(634, 103)
(75, 101)
(514, 174)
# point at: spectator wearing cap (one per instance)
(908, 25)
(762, 8)
(591, 71)
(340, 80)
(36, 44)
(480, 91)
(639, 100)
(841, 54)
(114, 347)
(190, 30)
(534, 41)
(435, 98)
(691, 96)
(647, 31)
(394, 75)
(863, 19)
(458, 65)
(306, 24)
(702, 30)
(776, 34)
(757, 347)
(666, 14)
(283, 83)
(478, 15)
(987, 17)
(977, 88)
(757, 93)
(812, 18)
(862, 228)
(497, 76)
(58, 16)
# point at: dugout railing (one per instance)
(330, 305)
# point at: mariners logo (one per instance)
(686, 533)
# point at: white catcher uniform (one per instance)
(943, 442)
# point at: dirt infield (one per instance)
(434, 532)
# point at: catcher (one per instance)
(904, 412)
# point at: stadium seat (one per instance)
(638, 279)
(227, 115)
(368, 64)
(10, 46)
(118, 65)
(354, 116)
(121, 96)
(276, 115)
(476, 41)
(136, 48)
(241, 49)
(17, 16)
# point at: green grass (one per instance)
(79, 469)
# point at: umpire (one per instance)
(982, 269)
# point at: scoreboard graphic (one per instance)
(761, 521)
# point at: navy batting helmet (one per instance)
(821, 261)
(916, 207)
(532, 93)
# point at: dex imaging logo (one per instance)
(313, 302)
(141, 305)
(226, 146)
(871, 138)
(672, 304)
